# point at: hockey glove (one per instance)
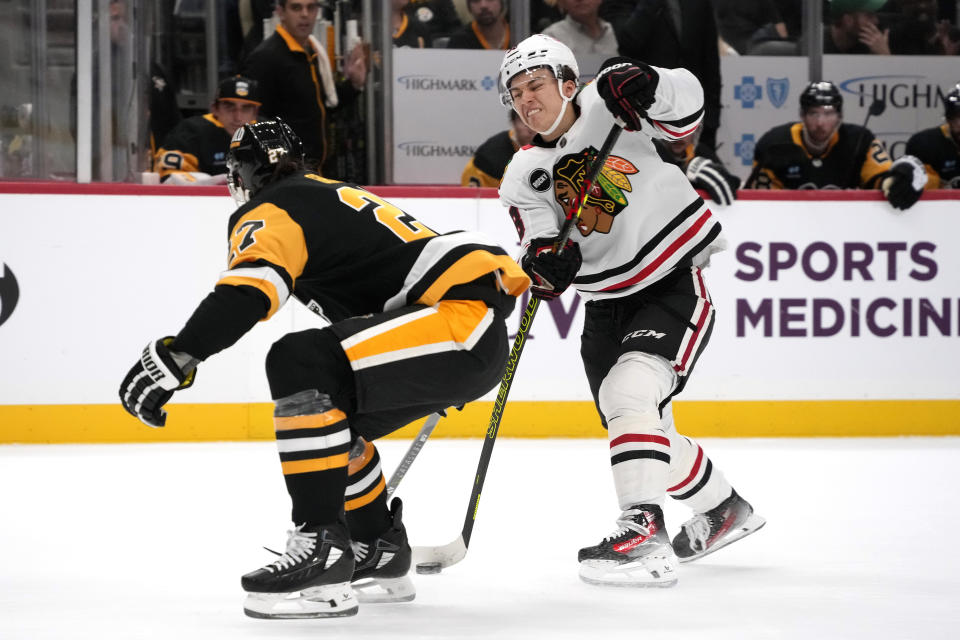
(904, 182)
(628, 88)
(151, 382)
(551, 273)
(710, 176)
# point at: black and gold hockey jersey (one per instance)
(343, 251)
(488, 163)
(940, 155)
(197, 144)
(854, 159)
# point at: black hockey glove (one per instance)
(713, 178)
(551, 273)
(904, 182)
(628, 88)
(151, 382)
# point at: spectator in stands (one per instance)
(671, 34)
(854, 28)
(488, 29)
(743, 23)
(823, 152)
(939, 147)
(488, 163)
(407, 32)
(296, 79)
(195, 151)
(914, 30)
(583, 30)
(704, 173)
(791, 11)
(438, 17)
(244, 26)
(543, 13)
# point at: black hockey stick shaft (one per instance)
(526, 320)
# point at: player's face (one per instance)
(233, 114)
(485, 12)
(298, 17)
(820, 123)
(954, 124)
(536, 98)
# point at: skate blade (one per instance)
(381, 590)
(326, 601)
(649, 572)
(751, 525)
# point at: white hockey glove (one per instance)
(904, 182)
(150, 383)
(710, 176)
(195, 178)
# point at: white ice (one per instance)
(149, 541)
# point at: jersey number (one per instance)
(401, 223)
(243, 237)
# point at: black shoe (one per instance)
(706, 532)
(637, 554)
(382, 564)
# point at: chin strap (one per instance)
(563, 110)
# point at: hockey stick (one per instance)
(412, 452)
(435, 558)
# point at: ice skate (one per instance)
(382, 564)
(706, 532)
(638, 554)
(310, 580)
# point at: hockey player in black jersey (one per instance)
(195, 151)
(706, 173)
(417, 327)
(939, 147)
(823, 152)
(636, 256)
(486, 167)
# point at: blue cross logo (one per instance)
(747, 92)
(487, 83)
(744, 149)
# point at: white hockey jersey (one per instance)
(642, 219)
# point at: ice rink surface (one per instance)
(149, 541)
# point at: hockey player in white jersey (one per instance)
(636, 258)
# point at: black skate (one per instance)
(310, 580)
(638, 554)
(706, 532)
(382, 564)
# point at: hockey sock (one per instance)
(640, 457)
(694, 480)
(366, 496)
(313, 439)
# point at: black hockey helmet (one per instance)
(951, 103)
(257, 150)
(821, 94)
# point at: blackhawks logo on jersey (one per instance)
(607, 197)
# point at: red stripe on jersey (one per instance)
(676, 244)
(677, 134)
(693, 472)
(636, 437)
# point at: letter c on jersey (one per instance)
(9, 294)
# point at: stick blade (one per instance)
(447, 555)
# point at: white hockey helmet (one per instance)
(536, 51)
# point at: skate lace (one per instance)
(300, 544)
(626, 523)
(697, 529)
(359, 550)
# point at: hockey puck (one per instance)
(429, 567)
